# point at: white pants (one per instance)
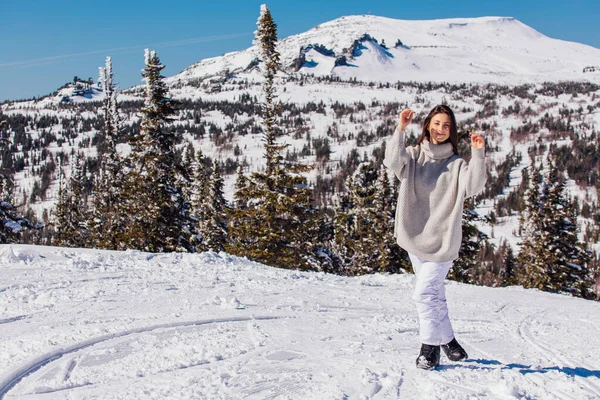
(430, 295)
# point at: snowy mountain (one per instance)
(87, 324)
(371, 48)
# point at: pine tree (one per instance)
(344, 227)
(364, 224)
(186, 178)
(266, 40)
(278, 224)
(509, 263)
(240, 195)
(160, 219)
(71, 210)
(355, 220)
(199, 193)
(110, 112)
(61, 210)
(107, 219)
(274, 221)
(567, 267)
(11, 223)
(214, 227)
(552, 258)
(531, 267)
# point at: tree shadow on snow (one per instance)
(482, 364)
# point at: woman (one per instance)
(434, 181)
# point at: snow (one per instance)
(92, 324)
(486, 49)
(15, 227)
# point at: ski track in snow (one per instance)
(553, 354)
(7, 383)
(13, 319)
(79, 324)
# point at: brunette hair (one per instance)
(453, 138)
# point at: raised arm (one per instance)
(396, 156)
(474, 176)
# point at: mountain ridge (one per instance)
(483, 49)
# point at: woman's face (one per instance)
(439, 128)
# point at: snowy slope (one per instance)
(486, 49)
(83, 324)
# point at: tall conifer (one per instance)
(266, 40)
(214, 227)
(160, 219)
(279, 224)
(509, 263)
(364, 224)
(551, 257)
(240, 195)
(11, 223)
(199, 192)
(355, 221)
(71, 210)
(107, 220)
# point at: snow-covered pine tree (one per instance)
(110, 113)
(188, 163)
(7, 163)
(266, 40)
(509, 263)
(240, 217)
(62, 207)
(199, 194)
(107, 219)
(214, 226)
(567, 258)
(11, 223)
(551, 257)
(71, 210)
(353, 229)
(531, 267)
(160, 215)
(279, 225)
(240, 194)
(364, 227)
(344, 227)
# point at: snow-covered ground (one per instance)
(90, 324)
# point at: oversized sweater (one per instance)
(433, 185)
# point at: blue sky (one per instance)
(44, 43)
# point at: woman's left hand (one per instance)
(477, 141)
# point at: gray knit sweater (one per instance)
(433, 185)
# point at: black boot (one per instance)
(429, 357)
(454, 351)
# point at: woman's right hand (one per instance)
(406, 117)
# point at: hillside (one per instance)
(130, 325)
